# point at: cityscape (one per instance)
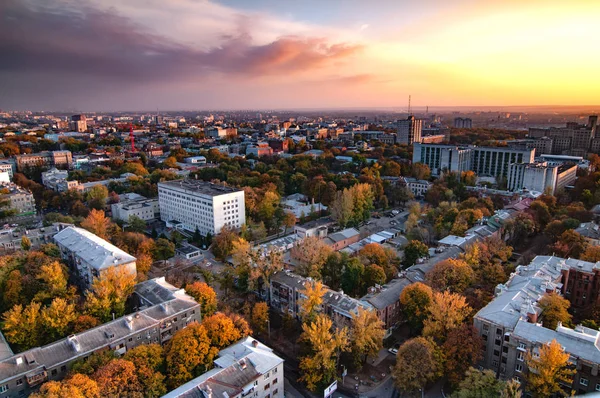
(266, 199)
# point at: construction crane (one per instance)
(131, 138)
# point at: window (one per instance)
(267, 376)
(522, 346)
(274, 381)
(517, 379)
(519, 368)
(267, 386)
(598, 387)
(4, 388)
(54, 372)
(20, 382)
(496, 353)
(583, 381)
(520, 356)
(63, 368)
(275, 392)
(498, 331)
(497, 341)
(274, 370)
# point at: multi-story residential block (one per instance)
(162, 309)
(54, 178)
(590, 231)
(8, 166)
(541, 145)
(463, 122)
(573, 139)
(78, 123)
(386, 302)
(418, 187)
(247, 368)
(510, 324)
(260, 149)
(89, 255)
(138, 205)
(194, 204)
(44, 159)
(409, 130)
(220, 132)
(286, 296)
(20, 200)
(10, 239)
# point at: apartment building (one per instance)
(285, 294)
(54, 178)
(247, 368)
(10, 239)
(573, 139)
(463, 122)
(442, 158)
(511, 325)
(161, 310)
(542, 145)
(89, 255)
(44, 159)
(194, 204)
(386, 302)
(409, 130)
(135, 205)
(7, 166)
(20, 199)
(259, 149)
(418, 187)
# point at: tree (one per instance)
(311, 300)
(25, 243)
(289, 220)
(352, 278)
(85, 322)
(97, 223)
(374, 253)
(204, 295)
(136, 224)
(109, 292)
(13, 289)
(149, 362)
(311, 253)
(420, 171)
(374, 275)
(118, 378)
(447, 312)
(260, 317)
(188, 354)
(22, 325)
(414, 251)
(57, 319)
(554, 309)
(76, 386)
(570, 244)
(222, 245)
(221, 330)
(520, 228)
(547, 371)
(97, 196)
(264, 264)
(331, 272)
(592, 254)
(342, 206)
(462, 349)
(163, 249)
(54, 277)
(366, 335)
(416, 299)
(480, 384)
(452, 275)
(318, 367)
(417, 364)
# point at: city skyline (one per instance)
(230, 54)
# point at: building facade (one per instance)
(409, 130)
(442, 158)
(144, 208)
(61, 159)
(532, 177)
(463, 122)
(89, 255)
(20, 200)
(208, 207)
(162, 310)
(247, 368)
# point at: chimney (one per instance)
(19, 360)
(129, 322)
(254, 343)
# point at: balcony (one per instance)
(37, 378)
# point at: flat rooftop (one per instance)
(199, 186)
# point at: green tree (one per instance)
(136, 224)
(418, 363)
(352, 278)
(416, 300)
(414, 251)
(480, 384)
(374, 275)
(25, 243)
(163, 249)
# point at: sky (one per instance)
(115, 55)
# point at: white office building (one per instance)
(135, 205)
(442, 158)
(88, 255)
(194, 204)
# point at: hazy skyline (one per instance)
(185, 54)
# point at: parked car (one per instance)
(393, 351)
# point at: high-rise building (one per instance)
(194, 204)
(409, 130)
(442, 158)
(494, 161)
(78, 123)
(463, 122)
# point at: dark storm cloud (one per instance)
(75, 38)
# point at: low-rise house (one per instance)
(247, 368)
(591, 232)
(89, 255)
(339, 240)
(162, 309)
(10, 239)
(139, 206)
(300, 206)
(317, 228)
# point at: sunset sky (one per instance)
(244, 54)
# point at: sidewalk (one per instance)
(290, 391)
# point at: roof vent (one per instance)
(254, 343)
(19, 360)
(243, 364)
(74, 343)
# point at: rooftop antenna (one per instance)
(427, 110)
(409, 111)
